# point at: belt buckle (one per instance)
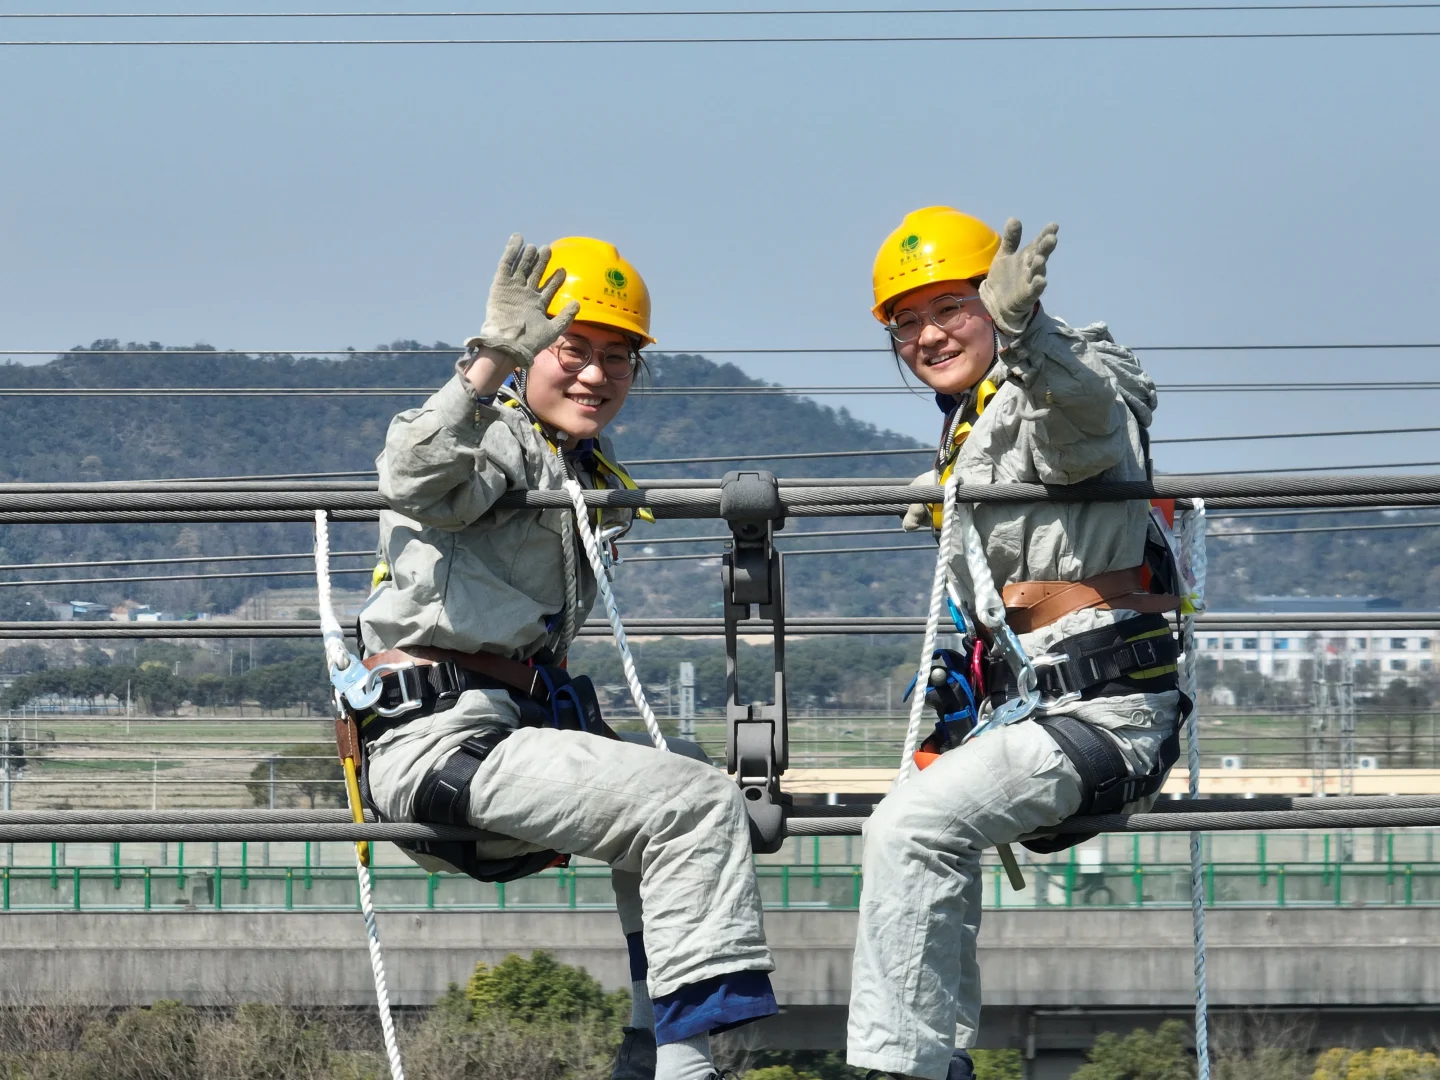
(1058, 664)
(411, 693)
(1027, 694)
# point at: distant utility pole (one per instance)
(5, 749)
(687, 699)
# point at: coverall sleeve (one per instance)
(447, 462)
(1075, 422)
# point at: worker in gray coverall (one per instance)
(1027, 399)
(470, 592)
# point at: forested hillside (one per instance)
(126, 438)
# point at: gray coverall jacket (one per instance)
(469, 577)
(1070, 409)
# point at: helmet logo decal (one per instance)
(909, 248)
(615, 278)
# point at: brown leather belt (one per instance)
(502, 669)
(1030, 605)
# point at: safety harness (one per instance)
(418, 682)
(1139, 655)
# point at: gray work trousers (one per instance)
(915, 983)
(678, 825)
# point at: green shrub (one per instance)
(1382, 1063)
(1141, 1055)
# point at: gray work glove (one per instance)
(516, 322)
(918, 516)
(1017, 278)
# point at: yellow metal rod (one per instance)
(357, 808)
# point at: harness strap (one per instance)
(1106, 783)
(1134, 656)
(443, 796)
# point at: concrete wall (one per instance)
(1051, 978)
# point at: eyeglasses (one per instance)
(576, 354)
(946, 312)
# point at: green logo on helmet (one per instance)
(615, 278)
(909, 244)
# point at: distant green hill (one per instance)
(128, 438)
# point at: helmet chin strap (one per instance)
(521, 384)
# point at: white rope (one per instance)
(1193, 560)
(988, 606)
(337, 655)
(617, 628)
(932, 624)
(377, 965)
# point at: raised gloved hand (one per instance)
(516, 322)
(918, 516)
(1017, 278)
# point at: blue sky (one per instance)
(318, 197)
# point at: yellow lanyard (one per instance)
(951, 451)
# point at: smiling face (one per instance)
(948, 360)
(582, 403)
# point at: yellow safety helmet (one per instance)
(609, 290)
(936, 243)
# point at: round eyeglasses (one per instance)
(576, 354)
(947, 312)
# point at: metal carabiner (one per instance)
(1027, 688)
(355, 684)
(609, 554)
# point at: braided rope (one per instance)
(377, 966)
(617, 628)
(932, 625)
(1193, 558)
(337, 654)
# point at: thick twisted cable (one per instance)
(932, 625)
(617, 628)
(570, 625)
(1192, 555)
(337, 655)
(377, 966)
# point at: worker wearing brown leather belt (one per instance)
(1026, 399)
(474, 610)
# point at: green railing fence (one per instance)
(1067, 884)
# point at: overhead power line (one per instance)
(667, 391)
(1119, 9)
(856, 39)
(779, 351)
(688, 557)
(819, 454)
(172, 560)
(1324, 529)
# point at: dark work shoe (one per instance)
(636, 1059)
(961, 1067)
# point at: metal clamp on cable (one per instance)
(1027, 686)
(753, 573)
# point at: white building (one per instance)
(1280, 654)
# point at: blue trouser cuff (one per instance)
(715, 1005)
(639, 962)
